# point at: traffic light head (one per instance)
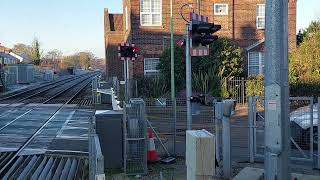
(202, 33)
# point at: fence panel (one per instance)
(135, 144)
(160, 113)
(236, 87)
(301, 125)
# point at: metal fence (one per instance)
(303, 124)
(246, 126)
(237, 89)
(160, 113)
(135, 141)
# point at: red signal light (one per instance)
(135, 50)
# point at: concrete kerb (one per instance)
(257, 174)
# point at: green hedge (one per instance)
(309, 89)
(255, 87)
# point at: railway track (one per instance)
(37, 91)
(11, 166)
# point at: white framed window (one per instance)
(127, 18)
(260, 19)
(151, 12)
(151, 66)
(255, 63)
(220, 9)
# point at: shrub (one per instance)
(255, 86)
(304, 88)
(151, 86)
(225, 60)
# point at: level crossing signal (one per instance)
(127, 51)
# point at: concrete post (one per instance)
(226, 147)
(217, 119)
(277, 129)
(251, 114)
(228, 109)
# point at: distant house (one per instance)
(147, 24)
(8, 57)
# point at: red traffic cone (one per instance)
(152, 153)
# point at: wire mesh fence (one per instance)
(301, 128)
(301, 124)
(160, 113)
(135, 147)
(171, 128)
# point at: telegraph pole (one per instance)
(277, 127)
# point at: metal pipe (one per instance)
(173, 89)
(125, 80)
(188, 79)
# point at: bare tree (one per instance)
(22, 50)
(54, 58)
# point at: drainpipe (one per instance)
(233, 18)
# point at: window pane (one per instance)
(151, 64)
(156, 6)
(221, 9)
(254, 59)
(145, 6)
(145, 19)
(261, 22)
(153, 73)
(260, 10)
(253, 70)
(156, 19)
(262, 58)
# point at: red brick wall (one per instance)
(239, 25)
(113, 36)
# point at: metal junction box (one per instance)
(110, 132)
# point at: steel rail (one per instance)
(25, 144)
(48, 88)
(56, 95)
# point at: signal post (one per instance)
(127, 52)
(198, 38)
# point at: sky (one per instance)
(77, 25)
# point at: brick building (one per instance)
(147, 24)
